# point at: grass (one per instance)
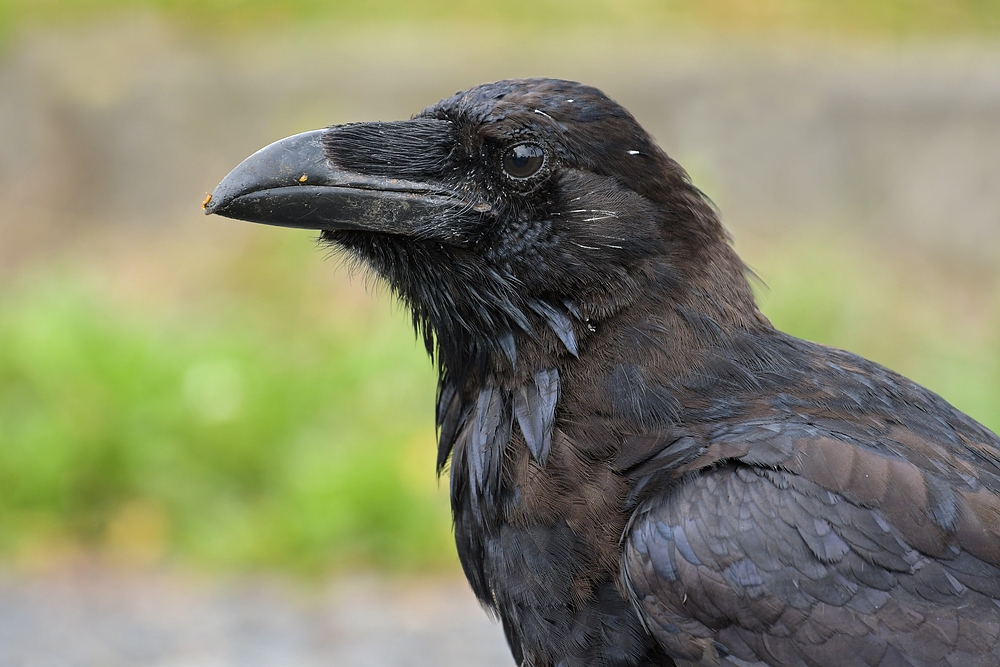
(214, 437)
(269, 421)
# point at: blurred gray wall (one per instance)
(132, 123)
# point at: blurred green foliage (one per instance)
(258, 424)
(229, 436)
(895, 18)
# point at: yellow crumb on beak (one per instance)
(208, 200)
(303, 178)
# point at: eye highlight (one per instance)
(523, 160)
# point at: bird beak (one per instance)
(292, 183)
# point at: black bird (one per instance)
(643, 470)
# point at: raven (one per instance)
(644, 471)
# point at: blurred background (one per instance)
(196, 467)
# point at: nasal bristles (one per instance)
(403, 149)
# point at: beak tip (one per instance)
(214, 205)
(287, 162)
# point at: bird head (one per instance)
(514, 219)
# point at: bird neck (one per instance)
(685, 308)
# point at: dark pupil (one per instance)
(523, 160)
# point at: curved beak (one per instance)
(292, 183)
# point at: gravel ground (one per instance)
(102, 618)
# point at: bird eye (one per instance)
(523, 160)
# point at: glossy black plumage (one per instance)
(643, 470)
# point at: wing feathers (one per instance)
(782, 571)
